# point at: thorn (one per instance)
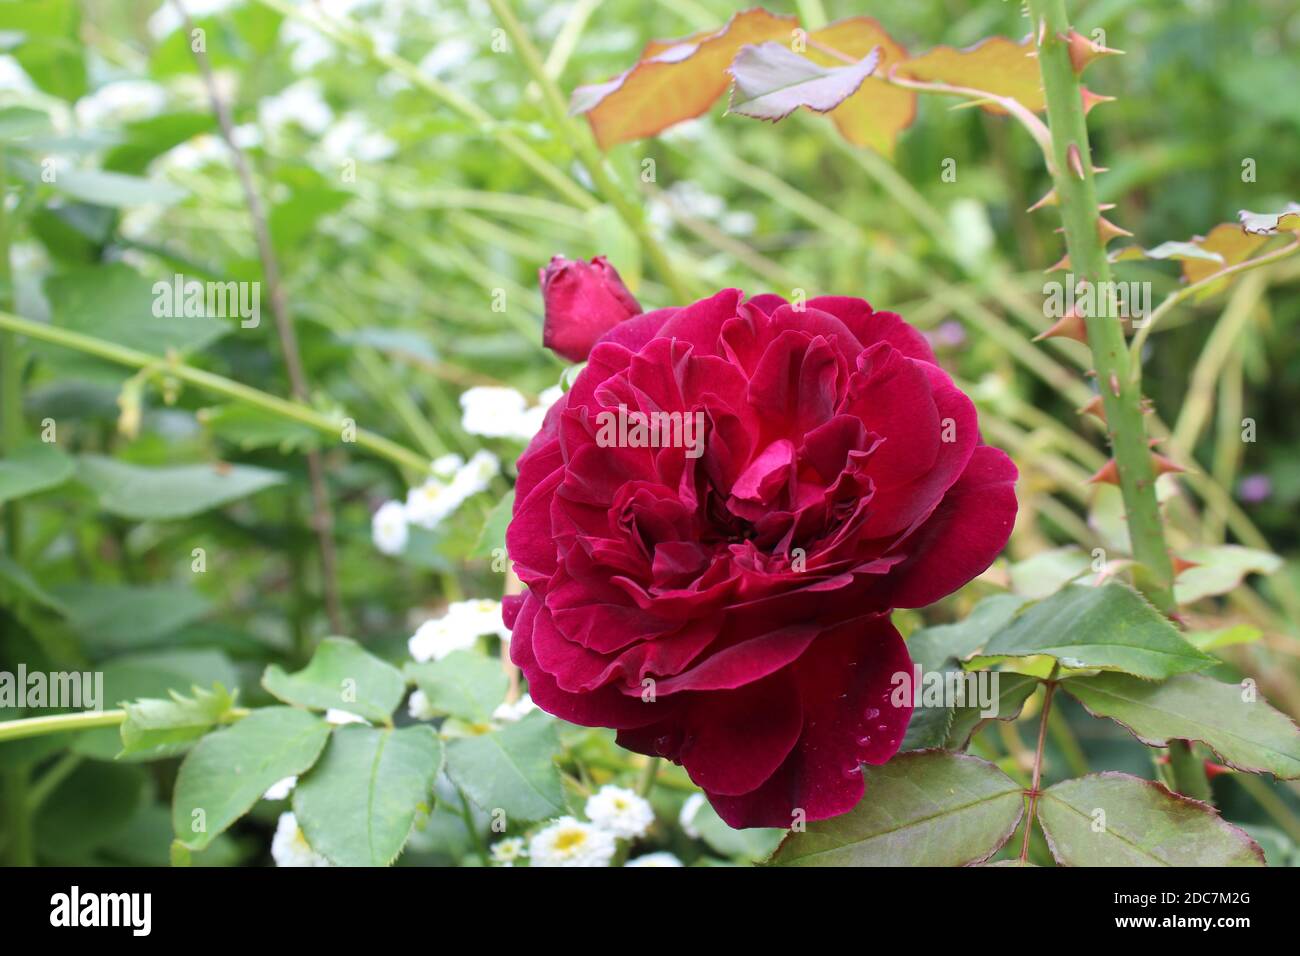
(1105, 206)
(1181, 564)
(1042, 31)
(1049, 199)
(1075, 160)
(1146, 406)
(1100, 169)
(1063, 264)
(1090, 373)
(1083, 51)
(1114, 384)
(1106, 474)
(1091, 99)
(1095, 407)
(1069, 326)
(1213, 769)
(1164, 466)
(1107, 230)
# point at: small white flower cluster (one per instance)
(452, 483)
(614, 813)
(457, 630)
(289, 846)
(498, 412)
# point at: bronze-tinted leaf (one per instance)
(674, 80)
(996, 65)
(1271, 223)
(876, 114)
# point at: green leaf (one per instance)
(1113, 819)
(116, 190)
(1109, 628)
(1013, 691)
(511, 769)
(116, 303)
(1220, 569)
(358, 805)
(933, 647)
(926, 808)
(1246, 734)
(344, 675)
(228, 771)
(32, 467)
(462, 684)
(88, 808)
(156, 728)
(1047, 572)
(1224, 636)
(251, 428)
(493, 535)
(164, 493)
(118, 617)
(752, 844)
(772, 81)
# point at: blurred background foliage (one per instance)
(391, 273)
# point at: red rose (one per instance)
(583, 300)
(724, 602)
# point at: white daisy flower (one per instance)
(686, 819)
(510, 713)
(281, 789)
(419, 707)
(492, 411)
(302, 103)
(430, 503)
(445, 466)
(570, 842)
(506, 852)
(457, 630)
(388, 528)
(622, 812)
(289, 846)
(655, 859)
(475, 475)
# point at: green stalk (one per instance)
(11, 363)
(1188, 772)
(579, 136)
(59, 723)
(1121, 398)
(217, 384)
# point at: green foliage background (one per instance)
(390, 279)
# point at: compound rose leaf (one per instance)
(876, 114)
(674, 80)
(1232, 244)
(1244, 731)
(997, 65)
(1113, 819)
(924, 808)
(772, 82)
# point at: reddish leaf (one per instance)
(1271, 223)
(772, 82)
(877, 112)
(996, 65)
(674, 80)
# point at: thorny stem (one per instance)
(1050, 690)
(322, 512)
(1072, 173)
(217, 384)
(588, 152)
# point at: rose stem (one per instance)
(1121, 397)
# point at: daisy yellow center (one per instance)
(569, 840)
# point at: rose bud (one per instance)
(584, 300)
